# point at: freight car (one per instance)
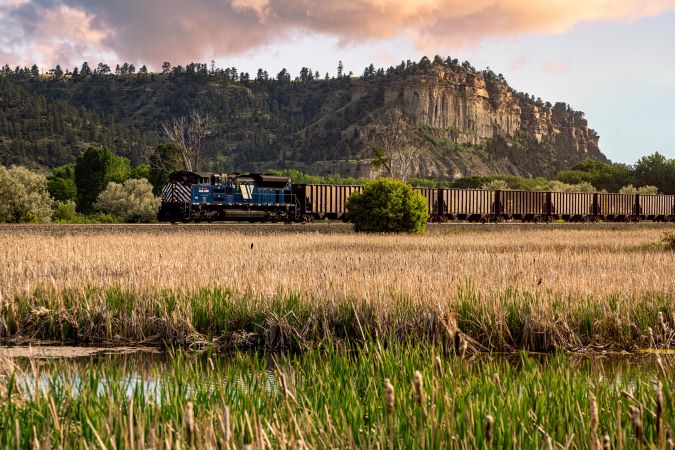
(196, 196)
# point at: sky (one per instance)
(612, 59)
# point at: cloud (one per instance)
(182, 31)
(557, 67)
(519, 62)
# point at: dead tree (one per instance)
(394, 144)
(188, 135)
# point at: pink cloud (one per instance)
(557, 67)
(181, 31)
(518, 63)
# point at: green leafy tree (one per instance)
(65, 212)
(24, 196)
(133, 201)
(165, 159)
(141, 171)
(91, 176)
(656, 170)
(119, 169)
(604, 176)
(61, 183)
(388, 205)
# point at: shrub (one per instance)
(65, 212)
(23, 196)
(387, 205)
(133, 201)
(644, 190)
(669, 239)
(61, 183)
(496, 185)
(559, 186)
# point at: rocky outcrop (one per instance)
(472, 108)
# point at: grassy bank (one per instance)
(505, 321)
(379, 396)
(501, 289)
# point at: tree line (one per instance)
(99, 187)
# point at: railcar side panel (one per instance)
(523, 204)
(327, 200)
(657, 206)
(467, 203)
(430, 197)
(615, 206)
(570, 205)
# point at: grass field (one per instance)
(500, 287)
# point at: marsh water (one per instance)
(42, 367)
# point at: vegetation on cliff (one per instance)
(266, 121)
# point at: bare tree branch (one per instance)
(189, 135)
(393, 142)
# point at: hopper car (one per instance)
(205, 196)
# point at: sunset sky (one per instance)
(613, 59)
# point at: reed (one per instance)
(340, 401)
(502, 289)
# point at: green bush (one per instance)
(66, 212)
(387, 205)
(669, 239)
(23, 196)
(133, 201)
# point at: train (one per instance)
(205, 196)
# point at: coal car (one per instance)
(205, 196)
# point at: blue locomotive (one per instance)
(205, 196)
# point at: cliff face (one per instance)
(472, 108)
(460, 121)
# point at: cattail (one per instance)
(458, 342)
(593, 421)
(549, 442)
(594, 413)
(606, 442)
(650, 332)
(439, 366)
(662, 321)
(388, 395)
(636, 419)
(497, 382)
(659, 409)
(190, 425)
(489, 422)
(282, 379)
(619, 427)
(226, 423)
(659, 364)
(419, 388)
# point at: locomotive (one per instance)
(202, 196)
(206, 196)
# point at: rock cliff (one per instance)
(473, 123)
(473, 108)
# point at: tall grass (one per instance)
(502, 289)
(384, 394)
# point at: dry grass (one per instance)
(610, 273)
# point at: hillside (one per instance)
(468, 122)
(39, 131)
